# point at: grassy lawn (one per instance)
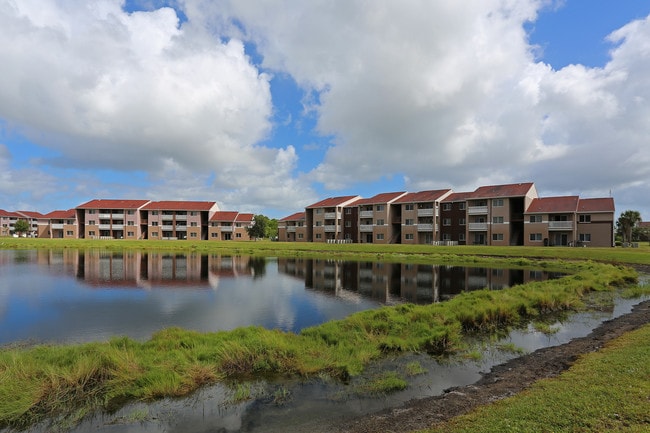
(67, 382)
(606, 391)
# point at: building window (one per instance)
(348, 211)
(129, 234)
(91, 222)
(193, 213)
(69, 233)
(585, 237)
(409, 222)
(193, 224)
(299, 235)
(535, 218)
(154, 234)
(193, 235)
(319, 223)
(380, 236)
(318, 236)
(497, 236)
(379, 207)
(213, 235)
(318, 211)
(461, 206)
(535, 237)
(446, 237)
(408, 207)
(585, 218)
(348, 223)
(91, 233)
(446, 206)
(154, 212)
(461, 237)
(497, 220)
(130, 223)
(408, 236)
(380, 222)
(238, 235)
(461, 221)
(497, 202)
(446, 221)
(154, 223)
(129, 212)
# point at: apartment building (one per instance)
(324, 219)
(229, 225)
(596, 222)
(62, 224)
(292, 228)
(379, 221)
(453, 218)
(172, 220)
(495, 214)
(7, 222)
(110, 219)
(419, 216)
(38, 224)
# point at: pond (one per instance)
(77, 296)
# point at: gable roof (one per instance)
(30, 214)
(457, 196)
(423, 196)
(61, 214)
(224, 216)
(335, 201)
(497, 191)
(384, 197)
(180, 205)
(596, 205)
(7, 214)
(567, 203)
(298, 216)
(245, 217)
(113, 204)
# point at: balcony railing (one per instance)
(181, 217)
(291, 229)
(118, 215)
(365, 228)
(118, 226)
(181, 228)
(477, 227)
(425, 227)
(104, 227)
(226, 228)
(332, 215)
(425, 212)
(477, 210)
(560, 225)
(104, 215)
(167, 227)
(57, 226)
(330, 229)
(365, 214)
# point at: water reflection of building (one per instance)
(395, 282)
(147, 269)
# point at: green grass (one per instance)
(66, 382)
(606, 391)
(381, 384)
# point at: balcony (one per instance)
(365, 228)
(104, 215)
(181, 228)
(181, 217)
(477, 210)
(167, 227)
(560, 225)
(332, 215)
(57, 226)
(167, 217)
(365, 214)
(118, 215)
(425, 227)
(477, 227)
(425, 212)
(226, 228)
(291, 229)
(104, 227)
(118, 226)
(330, 229)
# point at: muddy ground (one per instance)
(502, 381)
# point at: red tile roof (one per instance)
(61, 214)
(224, 216)
(113, 204)
(245, 217)
(457, 196)
(554, 204)
(384, 197)
(30, 214)
(334, 201)
(180, 205)
(298, 216)
(4, 213)
(596, 205)
(510, 190)
(423, 196)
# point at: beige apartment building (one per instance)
(62, 224)
(230, 225)
(7, 222)
(292, 228)
(324, 219)
(419, 214)
(379, 221)
(172, 220)
(110, 219)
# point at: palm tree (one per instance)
(626, 222)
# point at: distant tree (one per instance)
(21, 227)
(271, 228)
(627, 222)
(258, 229)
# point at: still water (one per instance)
(76, 296)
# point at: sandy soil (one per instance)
(502, 381)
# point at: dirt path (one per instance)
(502, 381)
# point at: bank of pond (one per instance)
(401, 315)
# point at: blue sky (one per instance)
(269, 106)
